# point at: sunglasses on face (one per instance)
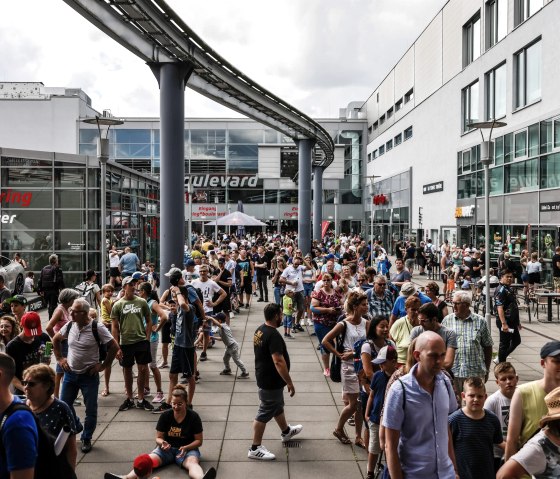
(30, 384)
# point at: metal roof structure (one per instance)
(154, 32)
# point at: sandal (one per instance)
(105, 392)
(351, 421)
(342, 437)
(360, 443)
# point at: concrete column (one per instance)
(317, 202)
(305, 147)
(171, 78)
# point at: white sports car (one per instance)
(13, 274)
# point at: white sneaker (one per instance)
(158, 398)
(261, 453)
(309, 322)
(293, 431)
(496, 360)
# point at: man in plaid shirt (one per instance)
(474, 342)
(380, 300)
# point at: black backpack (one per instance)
(48, 277)
(48, 464)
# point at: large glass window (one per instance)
(508, 148)
(246, 136)
(496, 21)
(497, 181)
(546, 136)
(521, 144)
(470, 105)
(499, 151)
(533, 140)
(471, 39)
(550, 171)
(522, 176)
(496, 93)
(523, 9)
(527, 64)
(556, 133)
(288, 164)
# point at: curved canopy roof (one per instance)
(154, 32)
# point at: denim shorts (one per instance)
(308, 289)
(321, 331)
(170, 456)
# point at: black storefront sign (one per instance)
(550, 206)
(433, 188)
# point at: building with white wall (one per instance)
(476, 60)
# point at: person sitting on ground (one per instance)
(178, 437)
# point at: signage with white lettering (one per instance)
(433, 188)
(550, 206)
(222, 181)
(464, 211)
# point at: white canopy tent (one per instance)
(237, 218)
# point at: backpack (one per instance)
(357, 349)
(336, 362)
(48, 277)
(85, 291)
(48, 464)
(95, 335)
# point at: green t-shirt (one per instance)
(131, 314)
(287, 306)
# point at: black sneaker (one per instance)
(260, 300)
(161, 408)
(210, 474)
(144, 405)
(184, 380)
(299, 328)
(225, 372)
(126, 405)
(86, 445)
(247, 306)
(244, 375)
(110, 475)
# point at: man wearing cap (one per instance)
(541, 455)
(528, 404)
(4, 295)
(28, 348)
(132, 327)
(17, 303)
(407, 290)
(81, 366)
(415, 416)
(189, 273)
(474, 352)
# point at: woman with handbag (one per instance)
(353, 328)
(326, 307)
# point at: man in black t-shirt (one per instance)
(272, 370)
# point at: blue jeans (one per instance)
(89, 385)
(277, 295)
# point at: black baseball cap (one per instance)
(552, 348)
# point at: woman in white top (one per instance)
(353, 328)
(309, 277)
(534, 269)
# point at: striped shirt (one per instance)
(473, 336)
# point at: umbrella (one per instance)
(237, 218)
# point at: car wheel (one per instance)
(19, 284)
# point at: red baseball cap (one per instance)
(143, 465)
(31, 324)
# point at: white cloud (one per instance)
(317, 55)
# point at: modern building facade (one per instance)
(476, 60)
(51, 202)
(228, 161)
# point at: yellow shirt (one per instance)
(400, 332)
(105, 314)
(533, 407)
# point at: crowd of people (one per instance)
(413, 363)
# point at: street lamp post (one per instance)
(216, 202)
(486, 158)
(189, 230)
(103, 156)
(335, 201)
(372, 179)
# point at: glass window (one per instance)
(508, 148)
(389, 113)
(471, 39)
(288, 196)
(475, 158)
(270, 136)
(288, 164)
(497, 181)
(556, 133)
(480, 183)
(70, 177)
(243, 165)
(381, 150)
(15, 199)
(546, 136)
(409, 95)
(522, 176)
(398, 105)
(245, 136)
(253, 196)
(459, 162)
(499, 150)
(466, 160)
(528, 75)
(131, 135)
(30, 219)
(207, 136)
(133, 150)
(25, 240)
(496, 21)
(521, 144)
(88, 136)
(243, 151)
(382, 119)
(534, 140)
(398, 139)
(523, 9)
(70, 219)
(408, 133)
(470, 105)
(271, 196)
(66, 198)
(26, 177)
(389, 145)
(550, 171)
(496, 93)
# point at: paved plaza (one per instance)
(227, 406)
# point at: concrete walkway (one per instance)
(227, 406)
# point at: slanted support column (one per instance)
(317, 202)
(171, 78)
(305, 147)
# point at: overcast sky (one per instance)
(317, 55)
